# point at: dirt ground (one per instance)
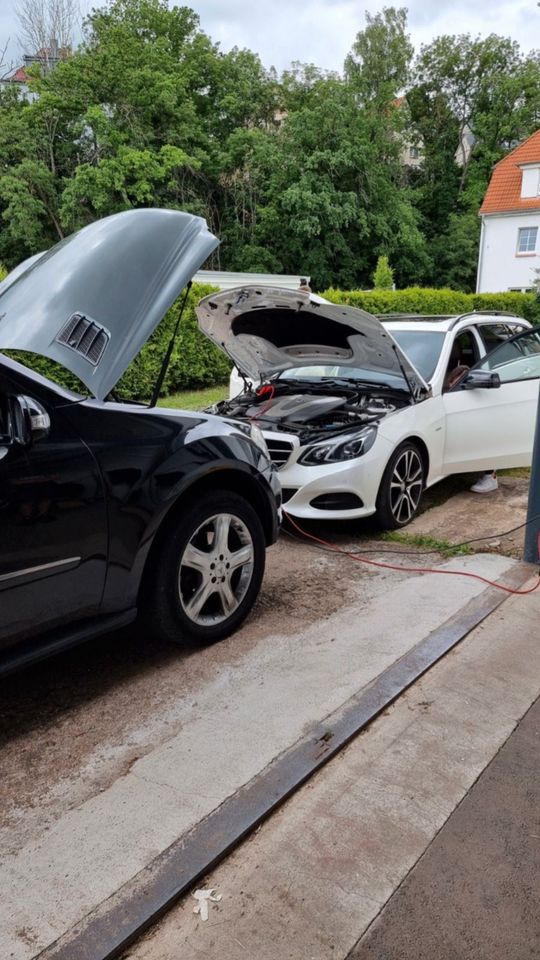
(72, 724)
(468, 515)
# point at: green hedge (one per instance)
(195, 362)
(429, 301)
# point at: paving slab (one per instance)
(314, 878)
(238, 722)
(474, 895)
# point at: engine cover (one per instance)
(299, 408)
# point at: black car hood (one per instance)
(93, 300)
(266, 331)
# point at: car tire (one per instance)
(401, 487)
(209, 571)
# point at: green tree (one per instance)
(330, 196)
(383, 275)
(378, 64)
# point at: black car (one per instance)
(110, 509)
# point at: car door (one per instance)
(494, 427)
(52, 516)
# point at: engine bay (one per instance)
(313, 410)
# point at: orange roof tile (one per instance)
(504, 192)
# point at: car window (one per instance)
(464, 354)
(517, 359)
(423, 348)
(492, 334)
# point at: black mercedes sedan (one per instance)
(109, 510)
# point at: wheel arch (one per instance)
(422, 449)
(222, 481)
(383, 511)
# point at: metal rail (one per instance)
(455, 318)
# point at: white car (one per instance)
(361, 417)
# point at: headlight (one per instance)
(342, 448)
(257, 437)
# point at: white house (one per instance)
(509, 241)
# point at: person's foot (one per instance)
(486, 484)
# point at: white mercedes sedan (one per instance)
(361, 417)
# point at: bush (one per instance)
(195, 361)
(435, 302)
(383, 277)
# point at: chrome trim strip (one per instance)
(31, 571)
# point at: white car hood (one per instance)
(93, 300)
(266, 331)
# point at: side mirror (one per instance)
(30, 421)
(481, 380)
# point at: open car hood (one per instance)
(93, 300)
(266, 331)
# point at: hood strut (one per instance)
(167, 358)
(405, 377)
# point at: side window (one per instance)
(465, 354)
(516, 359)
(492, 334)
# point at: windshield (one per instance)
(423, 348)
(333, 372)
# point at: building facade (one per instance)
(509, 256)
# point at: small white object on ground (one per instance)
(204, 897)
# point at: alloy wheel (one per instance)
(216, 569)
(406, 486)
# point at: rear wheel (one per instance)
(401, 487)
(209, 571)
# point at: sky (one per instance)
(323, 31)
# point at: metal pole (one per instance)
(532, 530)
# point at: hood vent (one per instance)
(85, 336)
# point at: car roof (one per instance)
(446, 322)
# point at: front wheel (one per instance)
(209, 571)
(401, 487)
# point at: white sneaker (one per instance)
(486, 484)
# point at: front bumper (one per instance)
(308, 488)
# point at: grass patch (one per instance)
(524, 473)
(443, 547)
(195, 399)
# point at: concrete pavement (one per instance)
(476, 891)
(320, 872)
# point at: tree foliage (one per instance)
(301, 173)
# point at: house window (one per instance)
(527, 239)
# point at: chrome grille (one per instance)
(279, 450)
